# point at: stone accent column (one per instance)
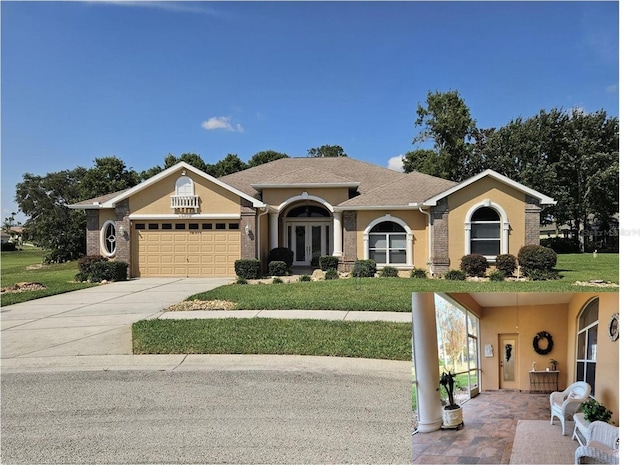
(123, 234)
(440, 258)
(350, 238)
(532, 211)
(337, 234)
(248, 231)
(425, 359)
(93, 232)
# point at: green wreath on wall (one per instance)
(536, 343)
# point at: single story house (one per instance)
(184, 222)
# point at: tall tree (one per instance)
(108, 175)
(53, 226)
(265, 156)
(228, 165)
(193, 159)
(446, 120)
(326, 151)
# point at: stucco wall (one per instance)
(460, 202)
(156, 199)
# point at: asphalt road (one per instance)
(205, 417)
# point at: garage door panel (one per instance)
(174, 252)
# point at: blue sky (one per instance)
(139, 80)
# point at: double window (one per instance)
(388, 243)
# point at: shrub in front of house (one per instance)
(247, 268)
(86, 263)
(536, 258)
(506, 263)
(103, 270)
(418, 273)
(328, 261)
(8, 246)
(304, 278)
(240, 280)
(331, 273)
(281, 254)
(496, 275)
(474, 264)
(278, 268)
(364, 269)
(543, 275)
(455, 275)
(389, 272)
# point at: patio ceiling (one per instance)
(508, 299)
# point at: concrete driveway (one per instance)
(94, 321)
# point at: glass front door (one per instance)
(308, 241)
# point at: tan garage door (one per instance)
(185, 249)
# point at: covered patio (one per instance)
(488, 433)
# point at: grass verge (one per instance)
(26, 266)
(371, 339)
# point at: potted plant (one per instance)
(451, 412)
(595, 411)
(554, 364)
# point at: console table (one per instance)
(543, 381)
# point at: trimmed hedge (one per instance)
(536, 258)
(86, 263)
(496, 275)
(96, 270)
(281, 254)
(331, 273)
(474, 264)
(364, 269)
(389, 272)
(247, 268)
(418, 273)
(278, 268)
(506, 263)
(328, 261)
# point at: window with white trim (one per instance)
(588, 344)
(485, 232)
(108, 238)
(388, 243)
(184, 186)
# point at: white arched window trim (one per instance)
(184, 186)
(504, 220)
(108, 235)
(407, 229)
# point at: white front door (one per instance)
(308, 240)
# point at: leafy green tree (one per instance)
(108, 175)
(193, 159)
(53, 226)
(446, 120)
(265, 156)
(228, 165)
(326, 151)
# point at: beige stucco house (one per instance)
(184, 222)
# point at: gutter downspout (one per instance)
(429, 260)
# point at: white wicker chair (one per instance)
(565, 403)
(602, 446)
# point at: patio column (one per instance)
(425, 360)
(273, 230)
(337, 234)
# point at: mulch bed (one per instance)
(23, 287)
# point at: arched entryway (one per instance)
(307, 231)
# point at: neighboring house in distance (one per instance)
(184, 222)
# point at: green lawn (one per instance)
(26, 266)
(394, 294)
(371, 339)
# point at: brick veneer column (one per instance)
(532, 211)
(248, 244)
(350, 238)
(123, 244)
(93, 232)
(440, 259)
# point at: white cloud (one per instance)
(612, 89)
(221, 122)
(179, 7)
(395, 163)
